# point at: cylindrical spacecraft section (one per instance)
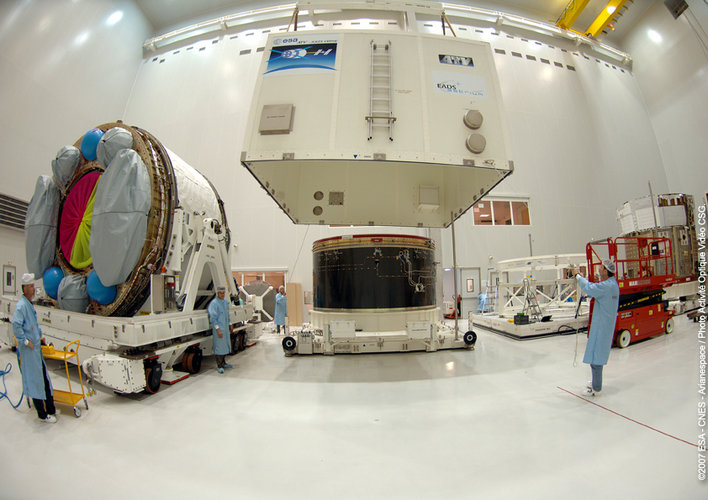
(120, 189)
(373, 272)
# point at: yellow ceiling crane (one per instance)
(609, 14)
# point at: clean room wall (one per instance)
(63, 69)
(671, 68)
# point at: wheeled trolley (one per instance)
(68, 398)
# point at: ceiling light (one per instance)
(655, 36)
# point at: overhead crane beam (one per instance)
(611, 10)
(571, 13)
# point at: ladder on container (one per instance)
(531, 307)
(380, 90)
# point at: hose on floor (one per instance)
(3, 393)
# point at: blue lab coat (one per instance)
(604, 317)
(219, 316)
(281, 309)
(25, 326)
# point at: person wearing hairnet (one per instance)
(281, 308)
(602, 327)
(219, 317)
(35, 380)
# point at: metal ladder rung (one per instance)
(380, 94)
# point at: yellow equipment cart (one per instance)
(67, 397)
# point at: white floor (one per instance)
(488, 423)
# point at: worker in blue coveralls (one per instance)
(604, 317)
(281, 308)
(35, 380)
(220, 323)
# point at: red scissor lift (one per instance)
(644, 268)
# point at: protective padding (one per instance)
(120, 216)
(72, 295)
(41, 226)
(113, 141)
(64, 165)
(76, 218)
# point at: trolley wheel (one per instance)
(153, 374)
(77, 412)
(624, 338)
(669, 325)
(470, 338)
(187, 362)
(196, 363)
(289, 344)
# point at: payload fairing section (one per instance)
(374, 293)
(376, 128)
(131, 243)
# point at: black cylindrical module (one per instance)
(373, 271)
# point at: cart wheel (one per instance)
(289, 344)
(86, 403)
(195, 362)
(187, 361)
(153, 374)
(669, 325)
(623, 338)
(470, 338)
(77, 412)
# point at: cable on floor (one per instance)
(3, 393)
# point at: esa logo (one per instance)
(284, 41)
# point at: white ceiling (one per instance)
(165, 15)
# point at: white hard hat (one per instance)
(609, 265)
(28, 279)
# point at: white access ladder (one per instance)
(380, 90)
(531, 307)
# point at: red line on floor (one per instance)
(630, 419)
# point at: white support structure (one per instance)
(341, 337)
(557, 298)
(114, 350)
(209, 255)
